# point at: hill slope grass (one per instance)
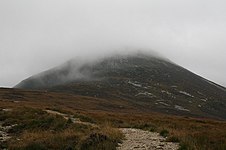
(36, 129)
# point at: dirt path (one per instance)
(4, 136)
(73, 119)
(136, 139)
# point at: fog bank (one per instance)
(38, 35)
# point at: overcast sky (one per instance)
(36, 35)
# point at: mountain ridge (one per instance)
(153, 83)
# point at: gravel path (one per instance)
(136, 139)
(4, 136)
(73, 119)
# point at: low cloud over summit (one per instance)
(38, 35)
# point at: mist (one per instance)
(38, 35)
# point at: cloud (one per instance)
(37, 35)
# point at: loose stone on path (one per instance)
(136, 139)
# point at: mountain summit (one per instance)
(147, 82)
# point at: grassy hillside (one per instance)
(34, 128)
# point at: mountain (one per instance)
(150, 83)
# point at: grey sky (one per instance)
(36, 35)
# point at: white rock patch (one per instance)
(204, 100)
(178, 107)
(164, 103)
(163, 91)
(135, 84)
(186, 93)
(4, 136)
(146, 94)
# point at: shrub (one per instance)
(35, 146)
(183, 147)
(84, 118)
(97, 141)
(145, 126)
(164, 133)
(173, 139)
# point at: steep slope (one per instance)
(152, 83)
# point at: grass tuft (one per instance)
(164, 133)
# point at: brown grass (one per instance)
(37, 129)
(192, 133)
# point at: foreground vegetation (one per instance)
(36, 129)
(192, 134)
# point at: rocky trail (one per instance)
(136, 139)
(4, 136)
(73, 119)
